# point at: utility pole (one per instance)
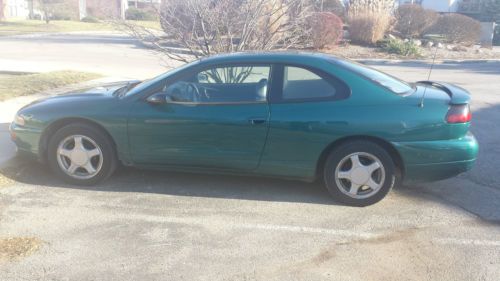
(82, 9)
(31, 9)
(123, 8)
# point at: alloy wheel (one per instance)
(80, 157)
(360, 175)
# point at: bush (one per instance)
(137, 14)
(369, 20)
(90, 19)
(61, 15)
(400, 47)
(457, 28)
(413, 20)
(368, 27)
(326, 29)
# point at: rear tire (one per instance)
(359, 173)
(81, 154)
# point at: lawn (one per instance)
(17, 27)
(21, 85)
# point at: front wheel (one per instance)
(359, 173)
(81, 154)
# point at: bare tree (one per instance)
(49, 7)
(207, 27)
(2, 9)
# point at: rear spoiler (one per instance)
(457, 94)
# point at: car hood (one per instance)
(89, 93)
(102, 90)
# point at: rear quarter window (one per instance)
(301, 84)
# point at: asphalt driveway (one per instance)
(143, 225)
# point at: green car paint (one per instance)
(268, 138)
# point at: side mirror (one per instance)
(158, 98)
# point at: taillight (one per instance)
(459, 114)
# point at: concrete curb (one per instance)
(13, 72)
(81, 32)
(445, 61)
(363, 61)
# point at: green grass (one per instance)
(6, 177)
(17, 27)
(147, 24)
(12, 86)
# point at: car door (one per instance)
(216, 117)
(308, 112)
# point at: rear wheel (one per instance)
(81, 154)
(359, 173)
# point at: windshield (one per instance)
(146, 83)
(392, 83)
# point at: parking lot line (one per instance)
(467, 242)
(338, 233)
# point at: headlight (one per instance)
(19, 120)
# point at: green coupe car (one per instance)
(301, 116)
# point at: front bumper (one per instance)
(26, 139)
(437, 160)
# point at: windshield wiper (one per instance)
(120, 92)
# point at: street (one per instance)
(110, 54)
(147, 225)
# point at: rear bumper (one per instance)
(436, 160)
(436, 171)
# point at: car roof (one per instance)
(270, 56)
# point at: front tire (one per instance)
(359, 173)
(81, 154)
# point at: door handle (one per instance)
(257, 121)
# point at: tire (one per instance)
(78, 145)
(359, 173)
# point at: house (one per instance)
(144, 4)
(447, 6)
(14, 9)
(76, 9)
(102, 8)
(471, 8)
(441, 6)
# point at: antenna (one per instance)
(428, 77)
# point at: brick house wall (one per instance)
(103, 9)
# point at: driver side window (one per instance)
(230, 84)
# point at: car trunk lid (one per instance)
(458, 95)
